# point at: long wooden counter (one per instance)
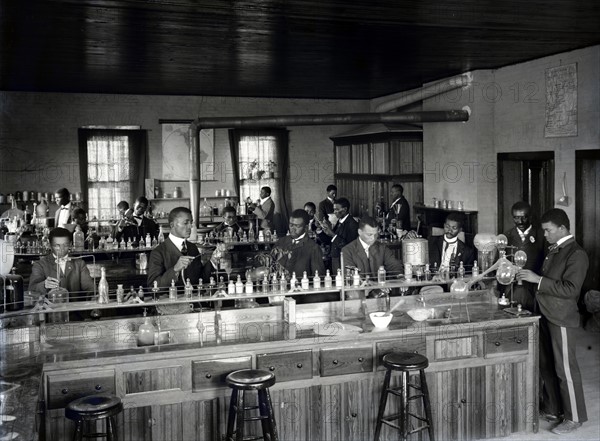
(482, 374)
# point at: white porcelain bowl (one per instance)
(380, 319)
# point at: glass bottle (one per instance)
(189, 289)
(172, 291)
(461, 271)
(148, 240)
(328, 280)
(78, 239)
(293, 281)
(249, 286)
(142, 242)
(356, 278)
(155, 291)
(339, 280)
(103, 287)
(265, 284)
(316, 281)
(161, 235)
(475, 271)
(381, 274)
(231, 288)
(283, 283)
(120, 294)
(304, 282)
(251, 236)
(427, 272)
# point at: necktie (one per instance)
(184, 249)
(295, 241)
(552, 247)
(445, 248)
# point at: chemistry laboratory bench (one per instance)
(482, 374)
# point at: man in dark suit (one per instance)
(62, 216)
(367, 254)
(448, 250)
(326, 205)
(529, 238)
(297, 252)
(558, 290)
(74, 275)
(399, 208)
(230, 223)
(140, 225)
(344, 232)
(176, 258)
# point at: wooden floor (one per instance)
(588, 355)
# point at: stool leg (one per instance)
(240, 420)
(404, 406)
(231, 416)
(382, 403)
(273, 426)
(427, 404)
(111, 429)
(78, 435)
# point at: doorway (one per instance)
(525, 177)
(587, 212)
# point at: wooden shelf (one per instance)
(169, 199)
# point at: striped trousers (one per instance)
(562, 390)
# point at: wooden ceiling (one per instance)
(276, 48)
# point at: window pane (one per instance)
(258, 159)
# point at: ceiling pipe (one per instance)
(254, 122)
(425, 92)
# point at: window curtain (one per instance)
(280, 190)
(112, 167)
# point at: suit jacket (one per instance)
(75, 278)
(534, 246)
(464, 253)
(222, 227)
(563, 273)
(325, 208)
(400, 210)
(379, 255)
(303, 256)
(344, 234)
(56, 214)
(134, 232)
(265, 212)
(163, 259)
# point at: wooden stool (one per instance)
(93, 408)
(404, 362)
(260, 381)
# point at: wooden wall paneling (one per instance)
(148, 380)
(135, 423)
(167, 422)
(380, 158)
(343, 162)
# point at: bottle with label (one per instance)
(356, 278)
(120, 294)
(148, 240)
(274, 283)
(427, 272)
(268, 236)
(172, 291)
(155, 291)
(189, 289)
(328, 280)
(461, 271)
(103, 287)
(304, 282)
(146, 332)
(381, 275)
(293, 281)
(78, 239)
(316, 281)
(142, 243)
(339, 280)
(249, 286)
(231, 288)
(265, 284)
(475, 271)
(283, 283)
(161, 235)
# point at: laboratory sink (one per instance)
(160, 338)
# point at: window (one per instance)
(108, 174)
(258, 165)
(112, 164)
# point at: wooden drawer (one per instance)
(208, 374)
(506, 341)
(62, 389)
(416, 345)
(346, 361)
(287, 366)
(456, 348)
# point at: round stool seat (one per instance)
(94, 407)
(251, 379)
(405, 361)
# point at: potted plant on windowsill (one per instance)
(271, 169)
(253, 170)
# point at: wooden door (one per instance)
(587, 211)
(525, 177)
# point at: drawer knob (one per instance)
(299, 365)
(463, 401)
(208, 376)
(98, 387)
(271, 368)
(335, 362)
(65, 391)
(361, 359)
(519, 341)
(497, 343)
(354, 414)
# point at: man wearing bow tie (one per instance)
(558, 288)
(176, 258)
(448, 250)
(73, 275)
(529, 238)
(399, 208)
(139, 225)
(296, 252)
(344, 232)
(62, 216)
